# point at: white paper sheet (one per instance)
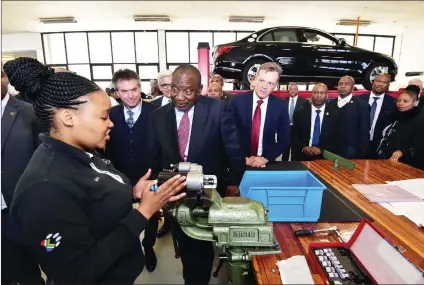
(295, 270)
(414, 186)
(414, 211)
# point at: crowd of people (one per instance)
(68, 193)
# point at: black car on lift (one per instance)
(306, 55)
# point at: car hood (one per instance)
(374, 53)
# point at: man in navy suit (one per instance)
(19, 140)
(294, 103)
(164, 84)
(262, 118)
(201, 130)
(129, 142)
(382, 106)
(312, 127)
(351, 132)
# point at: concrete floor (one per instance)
(169, 269)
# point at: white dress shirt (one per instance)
(136, 112)
(3, 105)
(343, 101)
(263, 116)
(294, 105)
(165, 100)
(377, 111)
(179, 115)
(313, 117)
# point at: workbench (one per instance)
(398, 229)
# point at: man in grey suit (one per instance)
(19, 139)
(294, 103)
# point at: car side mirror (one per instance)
(342, 42)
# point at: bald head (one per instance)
(345, 86)
(217, 79)
(319, 95)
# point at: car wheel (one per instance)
(250, 70)
(372, 72)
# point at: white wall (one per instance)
(22, 42)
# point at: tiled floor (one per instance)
(169, 269)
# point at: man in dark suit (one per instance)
(164, 84)
(351, 131)
(19, 140)
(312, 127)
(201, 130)
(129, 142)
(262, 119)
(382, 106)
(294, 103)
(216, 78)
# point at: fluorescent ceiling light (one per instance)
(246, 19)
(353, 22)
(57, 20)
(152, 18)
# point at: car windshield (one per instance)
(316, 38)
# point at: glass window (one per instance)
(123, 47)
(117, 67)
(366, 42)
(100, 47)
(145, 87)
(317, 38)
(268, 37)
(223, 38)
(103, 84)
(195, 39)
(177, 49)
(148, 71)
(146, 44)
(384, 45)
(348, 38)
(76, 47)
(102, 72)
(54, 48)
(81, 69)
(285, 36)
(242, 35)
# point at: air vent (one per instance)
(58, 20)
(151, 18)
(351, 22)
(246, 19)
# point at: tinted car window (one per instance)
(316, 38)
(279, 36)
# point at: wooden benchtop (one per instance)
(398, 229)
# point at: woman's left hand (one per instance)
(141, 184)
(396, 155)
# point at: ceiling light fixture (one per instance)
(246, 19)
(152, 18)
(58, 20)
(352, 22)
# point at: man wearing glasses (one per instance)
(164, 83)
(265, 130)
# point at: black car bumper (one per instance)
(228, 70)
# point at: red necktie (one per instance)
(183, 133)
(256, 128)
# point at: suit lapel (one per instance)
(269, 113)
(198, 128)
(326, 122)
(248, 115)
(171, 131)
(9, 116)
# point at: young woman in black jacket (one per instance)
(75, 208)
(403, 139)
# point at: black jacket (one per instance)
(78, 221)
(405, 133)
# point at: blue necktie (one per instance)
(291, 111)
(317, 126)
(130, 121)
(373, 109)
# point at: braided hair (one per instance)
(47, 89)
